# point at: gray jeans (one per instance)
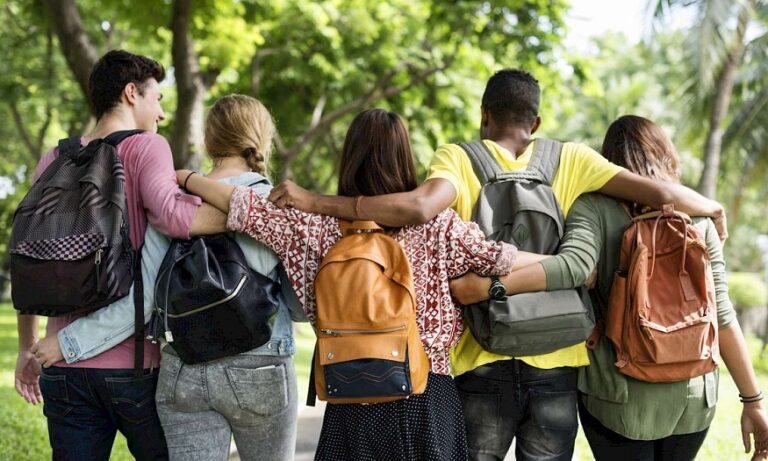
(252, 397)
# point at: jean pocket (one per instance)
(554, 410)
(263, 390)
(53, 387)
(133, 398)
(481, 413)
(170, 367)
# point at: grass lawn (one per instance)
(23, 434)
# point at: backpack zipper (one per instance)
(223, 300)
(331, 332)
(97, 262)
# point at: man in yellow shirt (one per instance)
(532, 399)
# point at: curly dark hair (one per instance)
(113, 71)
(512, 97)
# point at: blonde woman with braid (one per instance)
(250, 395)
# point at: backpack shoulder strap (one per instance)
(69, 146)
(260, 181)
(119, 136)
(484, 164)
(546, 158)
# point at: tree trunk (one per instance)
(76, 46)
(722, 99)
(187, 133)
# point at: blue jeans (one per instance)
(250, 396)
(510, 399)
(86, 407)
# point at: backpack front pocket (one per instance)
(365, 364)
(683, 342)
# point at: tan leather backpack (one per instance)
(368, 348)
(662, 313)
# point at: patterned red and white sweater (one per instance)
(444, 248)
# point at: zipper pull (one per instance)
(168, 336)
(330, 332)
(97, 263)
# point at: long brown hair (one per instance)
(376, 158)
(240, 126)
(642, 147)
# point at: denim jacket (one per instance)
(107, 327)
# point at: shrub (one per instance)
(747, 289)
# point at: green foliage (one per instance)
(747, 289)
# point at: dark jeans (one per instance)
(510, 399)
(86, 407)
(607, 445)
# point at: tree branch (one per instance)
(23, 133)
(186, 136)
(76, 45)
(378, 91)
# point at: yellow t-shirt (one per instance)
(581, 170)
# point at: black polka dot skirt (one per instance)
(427, 427)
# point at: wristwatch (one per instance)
(497, 291)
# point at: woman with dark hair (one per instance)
(622, 417)
(376, 159)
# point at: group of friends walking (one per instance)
(476, 402)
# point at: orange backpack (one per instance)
(662, 313)
(368, 347)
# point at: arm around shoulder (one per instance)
(402, 209)
(629, 186)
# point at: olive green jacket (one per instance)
(635, 409)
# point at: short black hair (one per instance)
(512, 97)
(113, 71)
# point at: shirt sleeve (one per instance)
(469, 250)
(451, 163)
(103, 329)
(45, 162)
(725, 311)
(279, 229)
(579, 248)
(168, 209)
(581, 170)
(299, 239)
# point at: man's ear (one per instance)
(485, 116)
(130, 93)
(536, 124)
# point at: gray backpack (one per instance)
(520, 208)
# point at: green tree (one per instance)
(715, 47)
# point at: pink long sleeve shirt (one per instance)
(153, 196)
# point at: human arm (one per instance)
(733, 349)
(27, 374)
(472, 288)
(212, 192)
(634, 188)
(168, 209)
(104, 328)
(467, 249)
(571, 267)
(406, 208)
(754, 423)
(208, 220)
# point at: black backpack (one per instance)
(70, 250)
(519, 207)
(209, 302)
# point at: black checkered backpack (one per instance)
(69, 249)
